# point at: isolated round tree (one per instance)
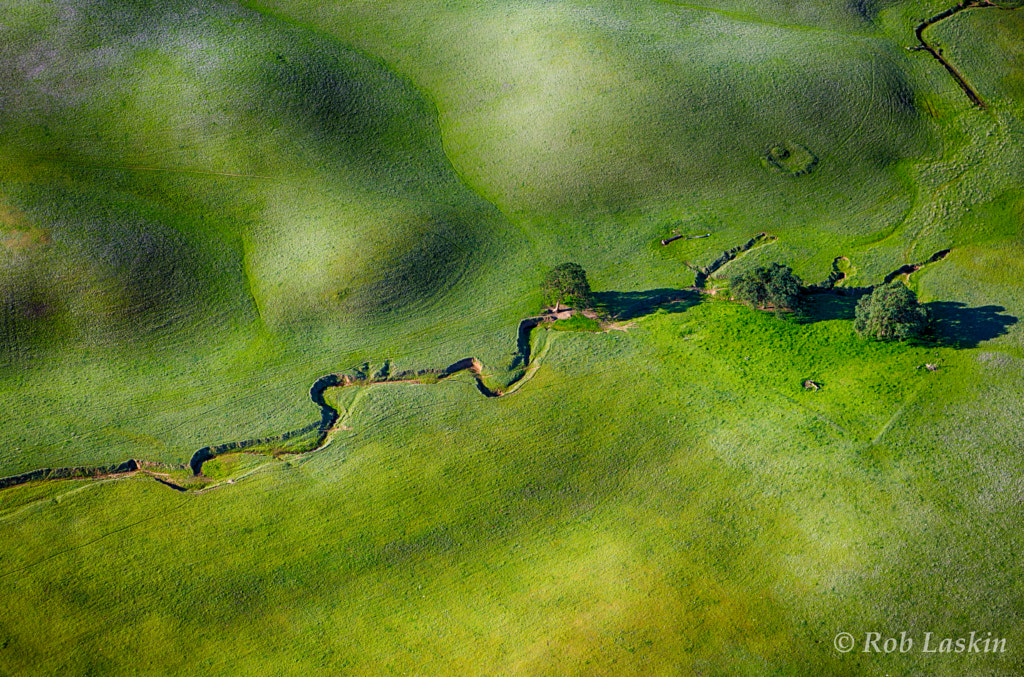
(566, 284)
(890, 313)
(773, 286)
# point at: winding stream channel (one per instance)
(316, 435)
(971, 93)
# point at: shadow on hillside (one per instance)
(959, 325)
(629, 305)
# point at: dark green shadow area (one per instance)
(960, 325)
(630, 305)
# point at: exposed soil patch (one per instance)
(18, 240)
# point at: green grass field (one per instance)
(206, 207)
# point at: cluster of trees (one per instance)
(773, 286)
(890, 312)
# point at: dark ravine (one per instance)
(828, 285)
(76, 472)
(833, 278)
(914, 267)
(703, 273)
(522, 361)
(670, 240)
(971, 93)
(318, 430)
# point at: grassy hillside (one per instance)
(558, 110)
(182, 228)
(711, 516)
(205, 207)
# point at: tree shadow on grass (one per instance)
(629, 305)
(824, 307)
(957, 324)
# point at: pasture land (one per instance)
(703, 512)
(204, 207)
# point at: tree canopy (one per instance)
(773, 286)
(891, 313)
(567, 284)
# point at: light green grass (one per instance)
(558, 108)
(577, 323)
(148, 300)
(353, 244)
(712, 516)
(205, 208)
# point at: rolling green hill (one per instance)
(182, 227)
(205, 207)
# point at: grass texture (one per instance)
(206, 207)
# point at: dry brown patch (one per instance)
(26, 239)
(12, 218)
(21, 233)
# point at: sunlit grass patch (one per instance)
(204, 209)
(577, 322)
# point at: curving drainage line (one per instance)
(328, 417)
(828, 285)
(76, 472)
(704, 272)
(971, 93)
(522, 361)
